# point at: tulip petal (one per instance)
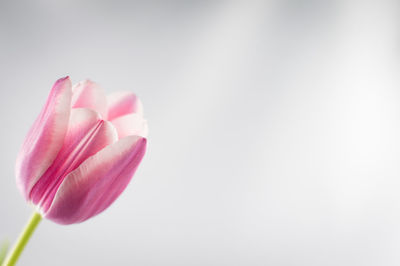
(88, 94)
(45, 138)
(131, 124)
(86, 135)
(97, 182)
(122, 103)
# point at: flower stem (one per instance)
(26, 234)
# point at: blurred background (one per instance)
(274, 128)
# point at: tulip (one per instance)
(81, 152)
(79, 155)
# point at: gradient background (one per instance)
(274, 128)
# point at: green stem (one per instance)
(26, 234)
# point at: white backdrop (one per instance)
(274, 128)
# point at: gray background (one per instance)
(274, 128)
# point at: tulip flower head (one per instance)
(81, 152)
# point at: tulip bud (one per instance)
(81, 152)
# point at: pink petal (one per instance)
(98, 182)
(87, 94)
(131, 124)
(122, 103)
(87, 134)
(45, 138)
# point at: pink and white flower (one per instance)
(82, 151)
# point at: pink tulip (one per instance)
(81, 152)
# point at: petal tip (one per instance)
(66, 78)
(65, 81)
